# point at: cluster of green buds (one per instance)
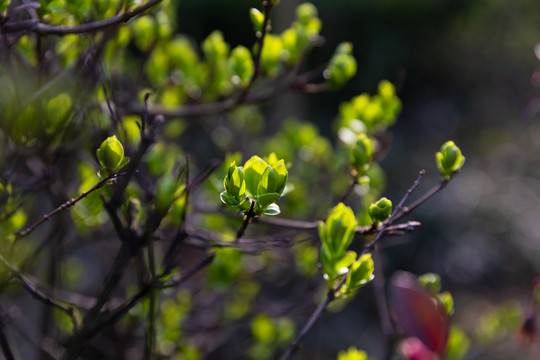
(449, 159)
(256, 185)
(336, 235)
(111, 156)
(380, 211)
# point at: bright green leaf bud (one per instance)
(361, 153)
(257, 19)
(338, 231)
(241, 64)
(360, 273)
(431, 282)
(342, 67)
(380, 210)
(111, 154)
(305, 12)
(449, 159)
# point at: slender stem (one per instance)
(293, 347)
(249, 215)
(428, 195)
(21, 233)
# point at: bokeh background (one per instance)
(464, 71)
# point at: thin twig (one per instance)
(293, 347)
(92, 27)
(21, 233)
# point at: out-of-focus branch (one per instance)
(45, 29)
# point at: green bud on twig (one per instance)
(449, 159)
(380, 210)
(111, 154)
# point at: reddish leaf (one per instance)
(419, 314)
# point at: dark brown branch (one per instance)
(88, 28)
(247, 218)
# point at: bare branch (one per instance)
(21, 233)
(88, 28)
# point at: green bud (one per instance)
(342, 66)
(241, 64)
(305, 12)
(380, 210)
(338, 231)
(111, 154)
(257, 19)
(360, 273)
(215, 48)
(361, 153)
(431, 282)
(449, 159)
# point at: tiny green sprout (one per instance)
(380, 210)
(449, 159)
(111, 154)
(257, 19)
(360, 153)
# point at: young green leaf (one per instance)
(253, 171)
(360, 273)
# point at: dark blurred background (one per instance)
(464, 71)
